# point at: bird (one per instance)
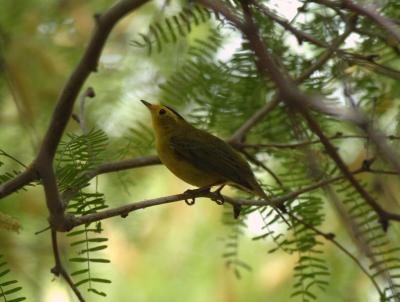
(197, 157)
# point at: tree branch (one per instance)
(238, 137)
(354, 58)
(42, 167)
(114, 166)
(59, 269)
(331, 238)
(87, 65)
(300, 35)
(372, 14)
(11, 186)
(277, 201)
(336, 136)
(290, 93)
(125, 164)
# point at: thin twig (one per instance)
(337, 136)
(300, 35)
(4, 153)
(114, 166)
(331, 238)
(352, 57)
(82, 120)
(373, 15)
(371, 65)
(290, 93)
(323, 58)
(22, 179)
(124, 164)
(87, 65)
(254, 160)
(59, 269)
(277, 201)
(239, 135)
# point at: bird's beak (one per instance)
(147, 104)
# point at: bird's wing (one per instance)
(208, 153)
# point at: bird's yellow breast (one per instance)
(182, 168)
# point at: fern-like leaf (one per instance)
(10, 291)
(232, 241)
(171, 29)
(76, 156)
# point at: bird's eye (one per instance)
(162, 111)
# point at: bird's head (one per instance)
(165, 119)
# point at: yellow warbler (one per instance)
(196, 156)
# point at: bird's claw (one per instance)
(190, 201)
(220, 200)
(192, 198)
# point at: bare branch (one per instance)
(124, 210)
(337, 136)
(125, 164)
(82, 100)
(58, 220)
(63, 109)
(290, 93)
(238, 137)
(371, 65)
(87, 65)
(59, 269)
(300, 35)
(331, 238)
(354, 58)
(258, 116)
(112, 167)
(372, 14)
(254, 160)
(23, 179)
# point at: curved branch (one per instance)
(238, 137)
(18, 182)
(124, 164)
(63, 109)
(258, 116)
(354, 58)
(87, 65)
(124, 210)
(373, 15)
(114, 166)
(59, 269)
(331, 237)
(293, 96)
(300, 35)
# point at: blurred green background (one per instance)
(166, 253)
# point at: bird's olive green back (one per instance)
(211, 154)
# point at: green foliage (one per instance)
(8, 175)
(220, 93)
(10, 291)
(76, 156)
(171, 29)
(236, 228)
(384, 257)
(139, 141)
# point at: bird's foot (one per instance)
(193, 194)
(190, 201)
(220, 198)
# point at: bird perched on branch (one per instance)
(198, 157)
